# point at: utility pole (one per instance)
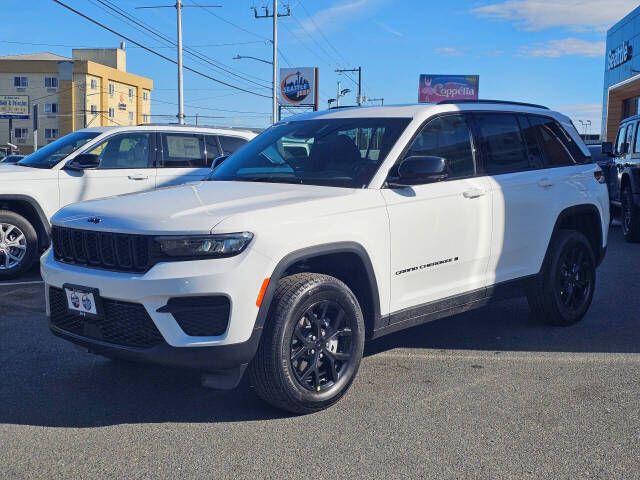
(359, 70)
(179, 6)
(180, 77)
(338, 96)
(275, 14)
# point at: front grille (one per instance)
(122, 323)
(200, 316)
(111, 251)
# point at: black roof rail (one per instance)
(499, 102)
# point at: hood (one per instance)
(188, 209)
(17, 172)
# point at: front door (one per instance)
(125, 167)
(440, 232)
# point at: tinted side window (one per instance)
(534, 153)
(130, 150)
(448, 137)
(636, 147)
(630, 131)
(230, 144)
(556, 154)
(181, 150)
(622, 134)
(213, 151)
(502, 143)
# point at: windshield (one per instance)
(338, 152)
(50, 155)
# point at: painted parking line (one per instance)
(33, 282)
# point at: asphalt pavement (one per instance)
(485, 394)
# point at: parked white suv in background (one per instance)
(93, 163)
(332, 228)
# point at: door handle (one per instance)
(474, 193)
(546, 183)
(138, 177)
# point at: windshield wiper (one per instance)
(271, 179)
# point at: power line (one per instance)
(203, 7)
(189, 50)
(150, 50)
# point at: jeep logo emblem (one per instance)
(95, 220)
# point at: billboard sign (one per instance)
(298, 86)
(436, 88)
(14, 106)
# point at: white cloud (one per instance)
(386, 27)
(577, 15)
(330, 18)
(584, 112)
(448, 52)
(566, 47)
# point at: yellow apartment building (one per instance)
(92, 88)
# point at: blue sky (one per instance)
(541, 51)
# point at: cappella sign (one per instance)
(298, 86)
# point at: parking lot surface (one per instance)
(485, 394)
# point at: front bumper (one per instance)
(231, 277)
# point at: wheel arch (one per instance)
(29, 208)
(586, 219)
(347, 261)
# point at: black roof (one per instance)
(499, 102)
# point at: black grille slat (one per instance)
(123, 323)
(110, 251)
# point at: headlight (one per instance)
(205, 246)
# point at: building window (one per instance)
(145, 118)
(94, 84)
(20, 132)
(50, 82)
(50, 133)
(20, 82)
(145, 96)
(112, 112)
(130, 93)
(112, 89)
(131, 116)
(50, 108)
(94, 109)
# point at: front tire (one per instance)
(561, 294)
(312, 344)
(630, 216)
(18, 244)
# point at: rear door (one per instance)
(126, 166)
(531, 163)
(183, 157)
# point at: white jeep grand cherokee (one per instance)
(93, 163)
(329, 229)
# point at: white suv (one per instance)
(329, 229)
(93, 163)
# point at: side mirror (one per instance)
(84, 161)
(416, 170)
(607, 148)
(218, 161)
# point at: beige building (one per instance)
(93, 88)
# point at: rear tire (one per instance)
(312, 344)
(630, 217)
(562, 293)
(18, 245)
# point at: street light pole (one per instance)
(180, 76)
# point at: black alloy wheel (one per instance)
(575, 278)
(321, 346)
